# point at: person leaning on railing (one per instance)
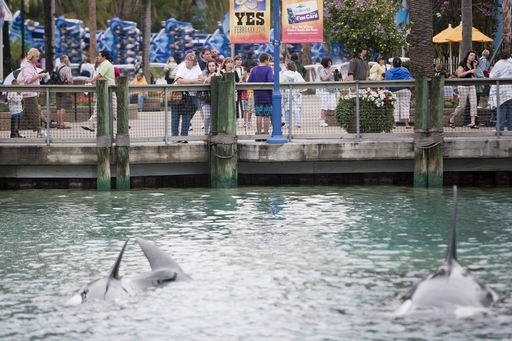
(188, 72)
(139, 80)
(105, 71)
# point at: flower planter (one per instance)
(375, 111)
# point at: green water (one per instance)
(285, 263)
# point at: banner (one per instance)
(249, 21)
(302, 21)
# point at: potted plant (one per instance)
(375, 111)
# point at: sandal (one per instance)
(473, 126)
(451, 124)
(63, 127)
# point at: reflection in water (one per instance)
(286, 263)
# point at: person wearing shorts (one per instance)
(262, 98)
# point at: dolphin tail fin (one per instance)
(114, 273)
(451, 254)
(156, 257)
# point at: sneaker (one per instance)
(323, 124)
(190, 129)
(298, 126)
(42, 134)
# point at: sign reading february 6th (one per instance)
(249, 21)
(302, 21)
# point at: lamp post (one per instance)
(22, 15)
(277, 133)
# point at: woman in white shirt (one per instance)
(188, 72)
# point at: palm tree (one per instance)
(49, 28)
(146, 35)
(506, 20)
(467, 25)
(421, 48)
(92, 30)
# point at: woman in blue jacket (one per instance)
(403, 94)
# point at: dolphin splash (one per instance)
(112, 287)
(450, 287)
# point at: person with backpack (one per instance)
(64, 99)
(86, 69)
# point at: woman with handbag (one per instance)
(186, 73)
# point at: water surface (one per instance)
(283, 263)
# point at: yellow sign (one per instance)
(249, 21)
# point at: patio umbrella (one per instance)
(440, 38)
(476, 35)
(454, 35)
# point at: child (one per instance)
(247, 102)
(294, 96)
(16, 109)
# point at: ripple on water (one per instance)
(290, 263)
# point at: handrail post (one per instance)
(166, 116)
(358, 130)
(498, 130)
(48, 116)
(290, 112)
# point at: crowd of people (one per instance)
(200, 68)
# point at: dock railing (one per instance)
(309, 110)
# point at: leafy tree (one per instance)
(364, 24)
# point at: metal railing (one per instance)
(306, 113)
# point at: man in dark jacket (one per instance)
(250, 62)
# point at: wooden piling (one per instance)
(123, 135)
(103, 143)
(420, 129)
(435, 152)
(223, 141)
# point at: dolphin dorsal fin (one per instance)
(157, 258)
(114, 273)
(451, 254)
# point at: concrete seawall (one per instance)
(469, 160)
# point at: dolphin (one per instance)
(451, 286)
(112, 287)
